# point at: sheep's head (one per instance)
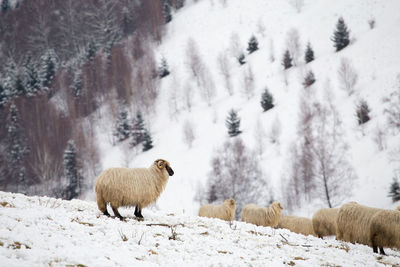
(230, 202)
(278, 205)
(161, 164)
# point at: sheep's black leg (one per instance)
(116, 213)
(375, 248)
(138, 212)
(106, 213)
(381, 251)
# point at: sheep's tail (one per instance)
(101, 203)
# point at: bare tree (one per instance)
(392, 108)
(261, 27)
(236, 48)
(275, 131)
(207, 85)
(188, 133)
(347, 76)
(235, 173)
(174, 92)
(248, 82)
(271, 50)
(334, 175)
(188, 93)
(225, 70)
(297, 4)
(259, 136)
(293, 45)
(379, 137)
(193, 60)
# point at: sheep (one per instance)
(225, 211)
(324, 222)
(398, 208)
(299, 225)
(262, 216)
(353, 223)
(385, 230)
(135, 187)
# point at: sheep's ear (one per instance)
(160, 163)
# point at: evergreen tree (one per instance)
(32, 81)
(362, 112)
(20, 88)
(123, 127)
(287, 60)
(340, 37)
(71, 172)
(232, 122)
(3, 96)
(309, 79)
(147, 141)
(394, 191)
(48, 66)
(77, 84)
(309, 55)
(167, 12)
(16, 149)
(163, 70)
(91, 51)
(5, 6)
(241, 59)
(252, 44)
(267, 100)
(10, 78)
(138, 130)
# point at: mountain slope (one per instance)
(38, 231)
(372, 52)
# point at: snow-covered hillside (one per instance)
(373, 53)
(42, 231)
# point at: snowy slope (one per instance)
(42, 231)
(374, 54)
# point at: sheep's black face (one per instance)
(169, 170)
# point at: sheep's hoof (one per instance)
(140, 219)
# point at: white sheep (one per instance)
(353, 223)
(262, 216)
(134, 187)
(385, 230)
(225, 211)
(398, 208)
(324, 222)
(299, 225)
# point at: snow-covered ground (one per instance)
(42, 231)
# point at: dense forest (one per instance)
(61, 60)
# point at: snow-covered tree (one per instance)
(309, 79)
(71, 172)
(236, 173)
(252, 44)
(77, 84)
(241, 59)
(267, 100)
(392, 108)
(163, 69)
(293, 45)
(225, 70)
(394, 191)
(309, 54)
(347, 76)
(248, 82)
(362, 112)
(232, 122)
(48, 67)
(16, 149)
(123, 127)
(287, 60)
(167, 11)
(32, 76)
(340, 36)
(5, 6)
(188, 133)
(147, 141)
(138, 130)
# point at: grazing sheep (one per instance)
(225, 211)
(324, 222)
(135, 187)
(262, 216)
(385, 230)
(353, 223)
(299, 225)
